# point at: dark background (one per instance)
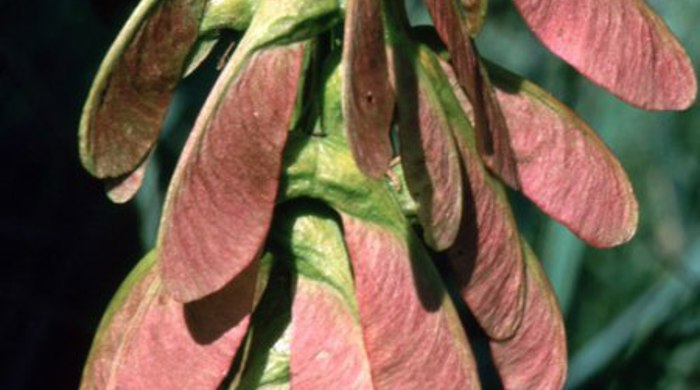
(64, 248)
(632, 313)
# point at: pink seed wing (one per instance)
(429, 156)
(565, 168)
(413, 336)
(535, 358)
(147, 340)
(327, 345)
(486, 256)
(220, 202)
(491, 131)
(622, 45)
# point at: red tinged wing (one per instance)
(412, 333)
(486, 260)
(327, 348)
(486, 257)
(150, 341)
(122, 189)
(368, 101)
(127, 104)
(535, 358)
(220, 202)
(491, 132)
(327, 345)
(565, 169)
(429, 156)
(621, 45)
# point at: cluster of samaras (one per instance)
(288, 255)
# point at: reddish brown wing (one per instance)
(493, 139)
(147, 340)
(405, 314)
(429, 156)
(564, 167)
(122, 189)
(621, 45)
(535, 358)
(220, 202)
(126, 107)
(486, 256)
(368, 101)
